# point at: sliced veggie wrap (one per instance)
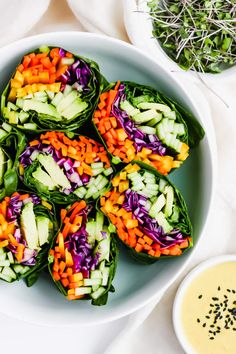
(65, 170)
(12, 143)
(148, 213)
(27, 225)
(137, 122)
(52, 89)
(83, 257)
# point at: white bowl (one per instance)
(139, 28)
(181, 292)
(135, 284)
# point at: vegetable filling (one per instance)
(147, 213)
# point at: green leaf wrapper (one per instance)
(133, 93)
(183, 223)
(12, 144)
(39, 121)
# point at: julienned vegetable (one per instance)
(137, 122)
(65, 170)
(148, 212)
(26, 230)
(198, 35)
(52, 89)
(82, 260)
(12, 143)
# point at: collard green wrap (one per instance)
(52, 89)
(148, 213)
(139, 123)
(28, 225)
(83, 256)
(12, 143)
(64, 170)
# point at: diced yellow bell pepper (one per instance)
(19, 77)
(12, 95)
(132, 168)
(15, 83)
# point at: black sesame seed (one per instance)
(210, 311)
(233, 291)
(198, 320)
(211, 305)
(212, 326)
(215, 298)
(207, 317)
(212, 338)
(218, 288)
(204, 325)
(200, 296)
(231, 322)
(226, 297)
(229, 291)
(234, 329)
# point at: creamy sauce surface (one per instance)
(208, 311)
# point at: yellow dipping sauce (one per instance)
(208, 311)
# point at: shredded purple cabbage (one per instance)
(148, 225)
(84, 258)
(78, 74)
(149, 141)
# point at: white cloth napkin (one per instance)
(155, 335)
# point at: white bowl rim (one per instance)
(199, 269)
(212, 148)
(140, 35)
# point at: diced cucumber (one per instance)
(20, 102)
(6, 127)
(147, 130)
(130, 110)
(67, 101)
(50, 95)
(67, 61)
(57, 99)
(6, 278)
(3, 133)
(154, 106)
(179, 129)
(92, 282)
(105, 276)
(3, 256)
(30, 126)
(101, 267)
(67, 90)
(140, 99)
(160, 217)
(96, 165)
(138, 186)
(25, 269)
(91, 190)
(44, 49)
(9, 272)
(83, 290)
(152, 186)
(148, 205)
(153, 122)
(99, 225)
(169, 200)
(170, 115)
(96, 294)
(91, 230)
(34, 155)
(145, 116)
(23, 117)
(2, 251)
(108, 171)
(162, 184)
(11, 106)
(10, 257)
(80, 192)
(157, 205)
(13, 117)
(96, 274)
(102, 183)
(5, 263)
(97, 171)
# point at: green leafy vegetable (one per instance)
(198, 35)
(12, 143)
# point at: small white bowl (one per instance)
(176, 314)
(139, 28)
